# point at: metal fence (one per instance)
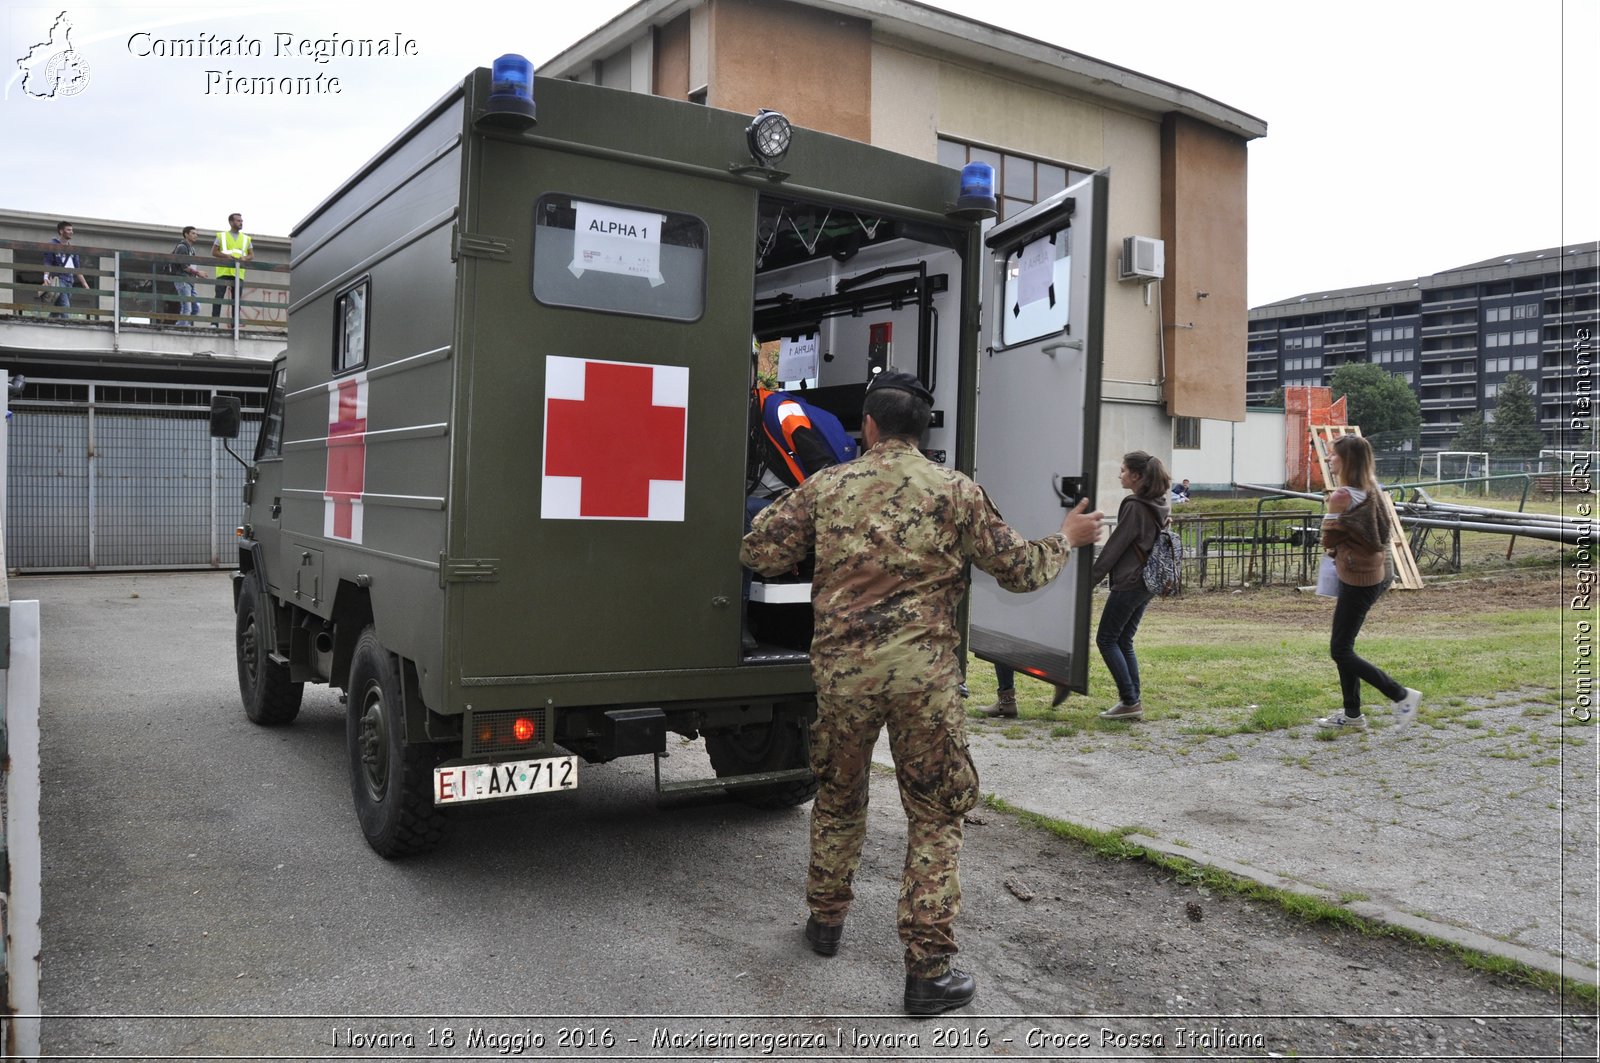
(110, 475)
(1250, 549)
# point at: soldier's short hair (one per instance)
(898, 413)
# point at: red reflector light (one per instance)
(523, 729)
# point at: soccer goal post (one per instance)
(1462, 465)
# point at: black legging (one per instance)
(1348, 615)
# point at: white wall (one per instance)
(1231, 452)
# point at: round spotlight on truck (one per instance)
(768, 134)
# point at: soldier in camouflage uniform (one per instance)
(892, 533)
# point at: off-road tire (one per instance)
(777, 746)
(391, 781)
(269, 698)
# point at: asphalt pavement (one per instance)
(1463, 829)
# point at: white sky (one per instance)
(1404, 137)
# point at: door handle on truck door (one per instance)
(277, 508)
(1068, 488)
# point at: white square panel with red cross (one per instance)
(615, 440)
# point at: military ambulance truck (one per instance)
(500, 483)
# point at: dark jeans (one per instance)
(1349, 612)
(1119, 622)
(1005, 678)
(224, 291)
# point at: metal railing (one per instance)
(138, 289)
(1276, 547)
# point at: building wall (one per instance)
(814, 66)
(672, 60)
(1250, 451)
(905, 101)
(1203, 223)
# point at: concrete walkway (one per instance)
(1479, 829)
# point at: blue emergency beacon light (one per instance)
(510, 94)
(977, 192)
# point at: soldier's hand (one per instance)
(1079, 527)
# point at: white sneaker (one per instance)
(1405, 710)
(1340, 722)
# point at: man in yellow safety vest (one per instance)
(234, 247)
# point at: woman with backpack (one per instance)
(1140, 518)
(1355, 534)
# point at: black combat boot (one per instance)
(930, 996)
(824, 938)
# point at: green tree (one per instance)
(1516, 429)
(1474, 433)
(1382, 404)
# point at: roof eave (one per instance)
(956, 35)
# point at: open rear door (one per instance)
(1039, 419)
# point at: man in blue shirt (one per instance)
(64, 259)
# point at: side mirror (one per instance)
(225, 417)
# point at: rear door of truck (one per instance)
(609, 346)
(1039, 420)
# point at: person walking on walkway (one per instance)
(892, 534)
(1142, 514)
(1355, 533)
(188, 298)
(66, 262)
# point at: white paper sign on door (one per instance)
(614, 240)
(1036, 271)
(797, 358)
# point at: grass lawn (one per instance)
(1225, 662)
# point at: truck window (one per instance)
(618, 259)
(350, 327)
(269, 444)
(1038, 288)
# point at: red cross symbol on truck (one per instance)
(618, 440)
(347, 459)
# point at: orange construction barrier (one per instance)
(1304, 407)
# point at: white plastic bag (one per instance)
(1328, 578)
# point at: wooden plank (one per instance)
(1407, 576)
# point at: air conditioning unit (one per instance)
(1143, 258)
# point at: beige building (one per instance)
(942, 87)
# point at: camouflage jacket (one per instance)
(892, 533)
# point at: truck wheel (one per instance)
(269, 698)
(390, 780)
(777, 746)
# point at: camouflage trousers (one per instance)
(938, 785)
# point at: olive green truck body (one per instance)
(501, 483)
